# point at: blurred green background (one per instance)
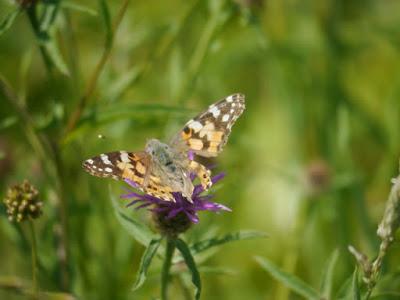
(309, 162)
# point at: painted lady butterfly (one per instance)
(162, 169)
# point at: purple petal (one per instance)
(131, 195)
(143, 205)
(173, 213)
(131, 183)
(217, 177)
(191, 155)
(133, 202)
(193, 217)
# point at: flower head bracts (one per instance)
(171, 209)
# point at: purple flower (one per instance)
(169, 210)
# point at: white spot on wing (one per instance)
(215, 111)
(109, 170)
(104, 158)
(90, 161)
(225, 118)
(196, 126)
(229, 98)
(124, 157)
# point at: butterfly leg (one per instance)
(202, 172)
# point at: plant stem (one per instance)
(169, 252)
(34, 260)
(49, 157)
(32, 16)
(85, 99)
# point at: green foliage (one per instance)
(147, 257)
(191, 264)
(291, 281)
(309, 162)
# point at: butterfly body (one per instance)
(171, 166)
(164, 168)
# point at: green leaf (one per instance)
(292, 282)
(8, 122)
(120, 111)
(122, 83)
(191, 264)
(355, 289)
(78, 7)
(105, 14)
(56, 57)
(145, 262)
(9, 19)
(49, 15)
(139, 231)
(230, 237)
(56, 296)
(327, 278)
(217, 270)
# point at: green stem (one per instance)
(50, 160)
(91, 86)
(32, 16)
(34, 260)
(169, 252)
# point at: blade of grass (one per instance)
(292, 282)
(328, 276)
(230, 237)
(8, 20)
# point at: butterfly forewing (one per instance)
(134, 166)
(207, 133)
(119, 165)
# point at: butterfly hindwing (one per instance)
(207, 133)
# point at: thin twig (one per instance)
(85, 99)
(34, 260)
(32, 16)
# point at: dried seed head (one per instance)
(391, 218)
(22, 202)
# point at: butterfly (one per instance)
(165, 168)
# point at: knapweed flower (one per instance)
(22, 202)
(172, 218)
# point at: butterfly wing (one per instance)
(135, 166)
(207, 133)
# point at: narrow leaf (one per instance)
(191, 264)
(9, 19)
(49, 15)
(327, 278)
(355, 289)
(8, 122)
(105, 13)
(135, 228)
(56, 57)
(78, 7)
(145, 262)
(292, 282)
(230, 237)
